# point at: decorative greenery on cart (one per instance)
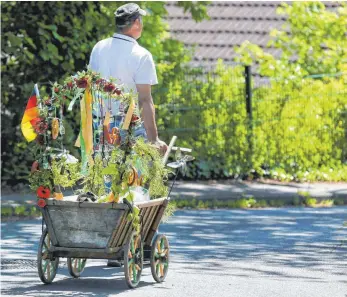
(114, 163)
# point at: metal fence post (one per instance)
(248, 78)
(248, 93)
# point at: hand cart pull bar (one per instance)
(167, 153)
(182, 149)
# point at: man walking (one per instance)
(121, 57)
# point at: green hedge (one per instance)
(298, 130)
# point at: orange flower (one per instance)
(43, 192)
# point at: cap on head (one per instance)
(127, 12)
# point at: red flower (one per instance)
(56, 90)
(100, 81)
(47, 102)
(40, 125)
(69, 85)
(109, 87)
(117, 91)
(43, 192)
(41, 203)
(82, 82)
(134, 118)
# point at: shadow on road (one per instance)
(209, 241)
(295, 237)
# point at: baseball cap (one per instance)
(127, 12)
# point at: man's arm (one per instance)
(148, 115)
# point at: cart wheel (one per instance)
(160, 253)
(76, 266)
(133, 260)
(46, 267)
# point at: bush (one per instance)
(298, 129)
(339, 201)
(20, 210)
(297, 201)
(261, 204)
(311, 202)
(6, 211)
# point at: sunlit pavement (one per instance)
(265, 252)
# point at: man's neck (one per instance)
(127, 34)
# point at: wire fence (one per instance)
(239, 124)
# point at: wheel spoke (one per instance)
(162, 243)
(44, 246)
(130, 271)
(134, 272)
(158, 247)
(84, 261)
(48, 270)
(137, 267)
(132, 246)
(74, 264)
(165, 252)
(136, 243)
(53, 265)
(45, 266)
(48, 241)
(157, 267)
(161, 270)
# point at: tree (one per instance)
(312, 41)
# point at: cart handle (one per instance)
(168, 151)
(182, 149)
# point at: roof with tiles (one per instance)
(230, 24)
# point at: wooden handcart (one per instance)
(85, 230)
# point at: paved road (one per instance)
(267, 252)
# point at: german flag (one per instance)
(30, 114)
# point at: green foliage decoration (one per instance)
(65, 174)
(59, 173)
(94, 180)
(154, 172)
(41, 178)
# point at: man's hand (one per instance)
(161, 145)
(148, 116)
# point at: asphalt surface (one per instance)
(266, 252)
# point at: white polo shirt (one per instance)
(122, 58)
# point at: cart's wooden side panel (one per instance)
(82, 227)
(151, 213)
(149, 221)
(113, 241)
(155, 223)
